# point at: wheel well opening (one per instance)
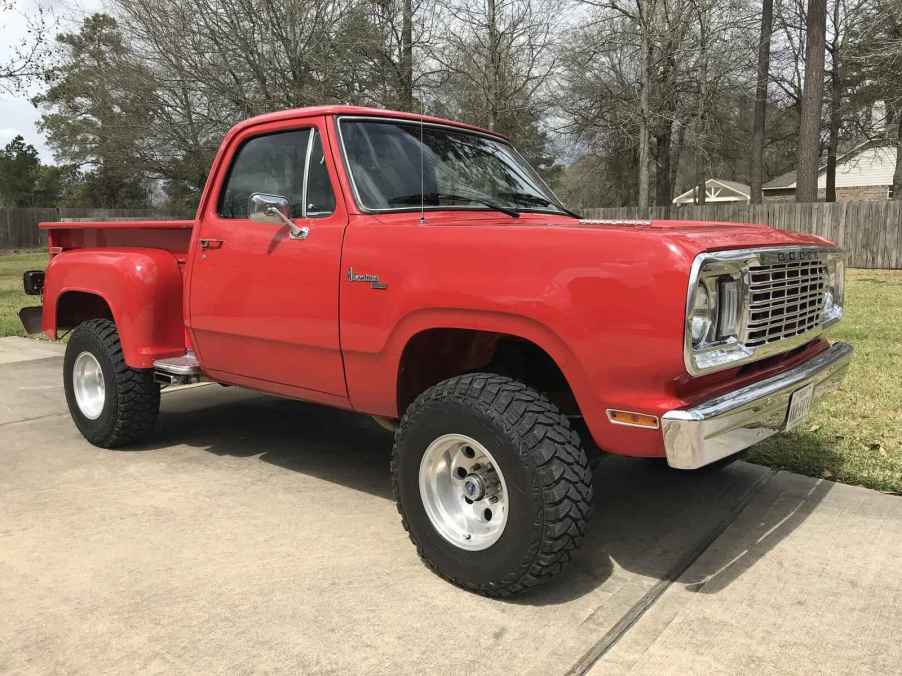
(438, 354)
(75, 307)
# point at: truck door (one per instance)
(263, 307)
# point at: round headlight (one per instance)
(701, 317)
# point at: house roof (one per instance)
(787, 180)
(870, 163)
(736, 192)
(741, 188)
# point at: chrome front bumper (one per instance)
(697, 436)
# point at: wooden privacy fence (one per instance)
(19, 227)
(871, 232)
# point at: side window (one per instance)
(320, 199)
(275, 164)
(272, 164)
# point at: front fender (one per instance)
(373, 374)
(141, 287)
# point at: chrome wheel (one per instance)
(463, 492)
(88, 385)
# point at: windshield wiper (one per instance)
(413, 200)
(540, 201)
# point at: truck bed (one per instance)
(170, 235)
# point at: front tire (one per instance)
(492, 485)
(111, 403)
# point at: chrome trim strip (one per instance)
(763, 255)
(310, 138)
(717, 428)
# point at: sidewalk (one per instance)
(808, 579)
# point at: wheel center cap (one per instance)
(474, 487)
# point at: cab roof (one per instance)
(336, 110)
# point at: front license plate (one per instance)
(799, 405)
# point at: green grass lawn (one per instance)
(12, 298)
(854, 436)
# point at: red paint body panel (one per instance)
(264, 307)
(172, 236)
(605, 301)
(142, 287)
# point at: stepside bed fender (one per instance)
(140, 288)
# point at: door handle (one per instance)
(210, 244)
(298, 232)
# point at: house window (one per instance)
(890, 193)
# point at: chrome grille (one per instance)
(785, 300)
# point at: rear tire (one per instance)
(111, 403)
(528, 457)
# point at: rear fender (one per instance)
(140, 288)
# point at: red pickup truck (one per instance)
(420, 271)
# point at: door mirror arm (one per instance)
(275, 209)
(295, 231)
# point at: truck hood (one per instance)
(708, 235)
(692, 237)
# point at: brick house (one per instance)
(863, 173)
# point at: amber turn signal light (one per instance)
(632, 419)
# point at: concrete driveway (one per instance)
(257, 534)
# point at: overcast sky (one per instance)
(17, 115)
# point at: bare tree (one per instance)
(645, 21)
(214, 62)
(812, 102)
(882, 60)
(27, 59)
(497, 56)
(400, 49)
(756, 170)
(653, 95)
(835, 103)
(407, 54)
(658, 74)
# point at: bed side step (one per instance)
(177, 370)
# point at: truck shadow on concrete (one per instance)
(649, 520)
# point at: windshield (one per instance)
(460, 169)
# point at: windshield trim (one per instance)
(457, 207)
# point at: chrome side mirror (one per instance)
(275, 209)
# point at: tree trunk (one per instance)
(700, 187)
(664, 134)
(679, 144)
(835, 117)
(701, 129)
(756, 171)
(644, 114)
(897, 174)
(812, 100)
(493, 65)
(835, 108)
(663, 137)
(407, 56)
